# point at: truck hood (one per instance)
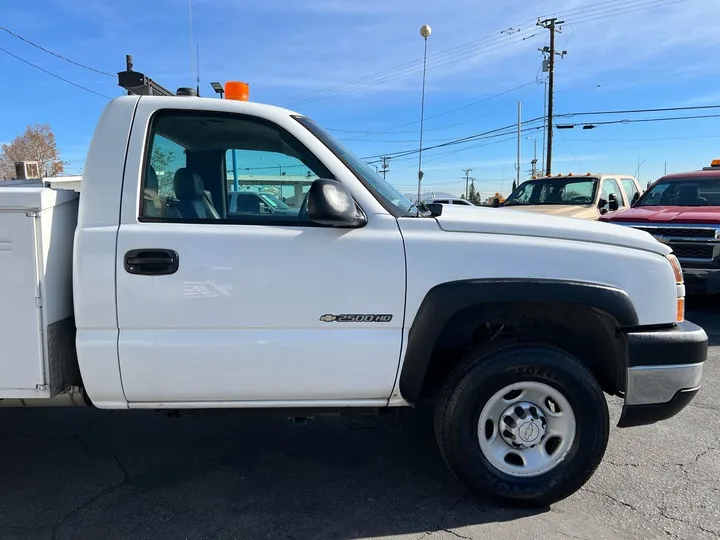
(494, 221)
(565, 210)
(667, 214)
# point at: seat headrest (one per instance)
(188, 185)
(151, 180)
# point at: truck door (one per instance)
(219, 307)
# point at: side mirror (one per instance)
(613, 204)
(602, 205)
(635, 198)
(330, 202)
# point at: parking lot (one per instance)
(69, 473)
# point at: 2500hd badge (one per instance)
(370, 317)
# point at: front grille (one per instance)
(680, 232)
(691, 251)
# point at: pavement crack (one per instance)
(663, 513)
(566, 535)
(450, 531)
(108, 490)
(661, 510)
(615, 464)
(614, 499)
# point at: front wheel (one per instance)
(526, 423)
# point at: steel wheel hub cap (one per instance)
(526, 429)
(522, 425)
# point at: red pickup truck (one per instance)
(683, 211)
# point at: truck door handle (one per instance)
(151, 262)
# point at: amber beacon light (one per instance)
(239, 91)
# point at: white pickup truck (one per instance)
(145, 292)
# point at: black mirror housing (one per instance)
(330, 203)
(613, 203)
(436, 209)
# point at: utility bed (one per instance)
(37, 331)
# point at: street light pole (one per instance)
(425, 32)
(519, 129)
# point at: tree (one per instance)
(474, 196)
(161, 161)
(37, 143)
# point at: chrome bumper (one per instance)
(664, 370)
(647, 385)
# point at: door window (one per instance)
(216, 168)
(611, 187)
(630, 190)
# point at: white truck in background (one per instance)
(146, 292)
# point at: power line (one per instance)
(639, 7)
(639, 111)
(494, 43)
(391, 130)
(642, 120)
(643, 139)
(56, 55)
(401, 70)
(502, 39)
(508, 130)
(54, 75)
(505, 131)
(628, 81)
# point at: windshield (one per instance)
(682, 192)
(391, 198)
(273, 201)
(580, 191)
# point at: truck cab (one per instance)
(587, 196)
(683, 211)
(148, 290)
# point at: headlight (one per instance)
(677, 270)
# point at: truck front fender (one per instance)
(445, 300)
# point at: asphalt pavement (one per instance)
(69, 473)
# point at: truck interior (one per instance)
(186, 165)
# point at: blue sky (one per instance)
(355, 67)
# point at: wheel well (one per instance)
(587, 333)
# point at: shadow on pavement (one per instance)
(705, 311)
(226, 474)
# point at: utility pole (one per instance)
(544, 119)
(517, 167)
(467, 181)
(534, 160)
(385, 165)
(551, 25)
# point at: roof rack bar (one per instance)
(138, 84)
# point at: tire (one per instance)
(471, 391)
